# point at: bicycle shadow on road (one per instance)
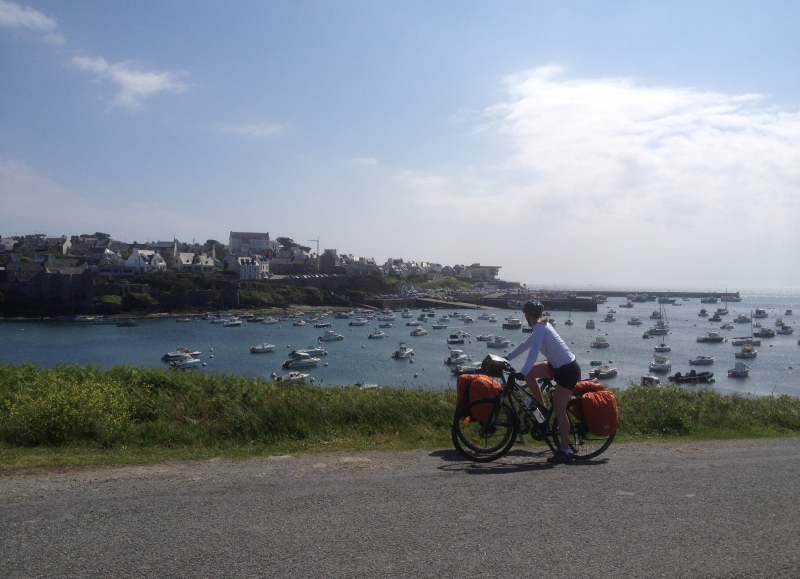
(517, 460)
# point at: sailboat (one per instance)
(661, 328)
(749, 340)
(569, 321)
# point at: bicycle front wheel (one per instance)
(484, 441)
(582, 443)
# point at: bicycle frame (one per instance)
(514, 395)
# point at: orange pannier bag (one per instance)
(471, 387)
(601, 414)
(580, 389)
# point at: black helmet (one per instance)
(533, 308)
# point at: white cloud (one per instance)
(366, 161)
(656, 173)
(132, 85)
(56, 39)
(13, 15)
(255, 130)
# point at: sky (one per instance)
(570, 143)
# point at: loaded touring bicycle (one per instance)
(495, 409)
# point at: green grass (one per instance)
(83, 415)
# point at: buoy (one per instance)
(363, 346)
(204, 364)
(212, 349)
(326, 364)
(416, 375)
(211, 356)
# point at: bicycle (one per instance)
(514, 413)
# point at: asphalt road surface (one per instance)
(700, 509)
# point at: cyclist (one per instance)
(560, 366)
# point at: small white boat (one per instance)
(439, 326)
(313, 351)
(784, 329)
(179, 320)
(330, 336)
(660, 329)
(301, 360)
(457, 338)
(646, 336)
(270, 320)
(711, 338)
(764, 332)
(232, 323)
(739, 370)
(402, 352)
(498, 342)
(323, 325)
(742, 319)
(662, 347)
(634, 321)
(610, 317)
(512, 323)
(415, 323)
(600, 342)
(703, 313)
(702, 360)
(759, 313)
(359, 322)
(262, 348)
(628, 304)
(568, 322)
(185, 362)
(376, 335)
(590, 325)
(299, 323)
(485, 337)
(419, 331)
(407, 313)
(290, 378)
(457, 357)
(660, 364)
(180, 352)
(386, 325)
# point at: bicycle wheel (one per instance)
(582, 443)
(484, 441)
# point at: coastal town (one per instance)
(94, 273)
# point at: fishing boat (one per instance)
(600, 342)
(262, 348)
(711, 338)
(634, 321)
(702, 360)
(457, 338)
(739, 370)
(300, 360)
(590, 325)
(660, 364)
(457, 357)
(330, 336)
(764, 332)
(377, 335)
(760, 313)
(512, 323)
(402, 352)
(747, 351)
(419, 331)
(784, 329)
(499, 342)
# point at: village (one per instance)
(48, 275)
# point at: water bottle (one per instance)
(537, 414)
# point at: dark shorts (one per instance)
(567, 375)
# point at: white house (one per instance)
(248, 243)
(251, 267)
(145, 261)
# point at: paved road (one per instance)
(710, 509)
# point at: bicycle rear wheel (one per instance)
(582, 443)
(484, 441)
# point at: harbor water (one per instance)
(358, 359)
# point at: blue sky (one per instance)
(624, 143)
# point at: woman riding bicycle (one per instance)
(561, 366)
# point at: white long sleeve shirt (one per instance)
(546, 340)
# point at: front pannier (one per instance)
(471, 387)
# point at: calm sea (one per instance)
(358, 359)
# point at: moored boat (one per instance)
(402, 352)
(330, 336)
(702, 360)
(692, 377)
(600, 342)
(739, 370)
(711, 338)
(262, 348)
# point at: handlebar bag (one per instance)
(471, 387)
(601, 413)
